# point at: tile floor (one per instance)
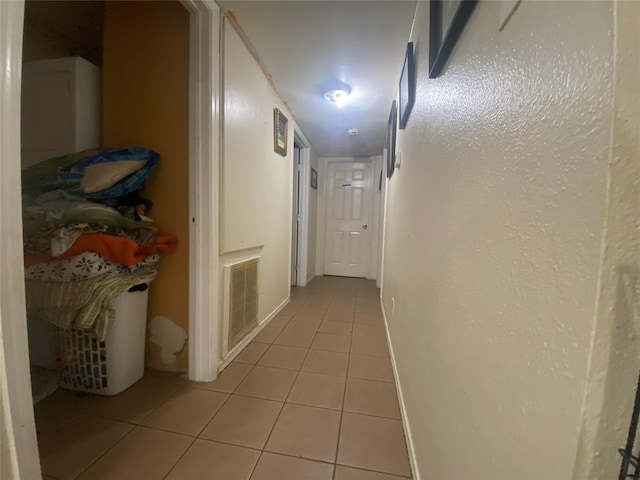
(311, 398)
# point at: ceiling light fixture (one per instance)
(352, 132)
(338, 95)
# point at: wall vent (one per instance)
(243, 301)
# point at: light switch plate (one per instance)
(398, 160)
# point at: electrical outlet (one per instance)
(393, 306)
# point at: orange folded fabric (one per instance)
(117, 249)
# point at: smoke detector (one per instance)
(352, 132)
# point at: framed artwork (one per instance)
(446, 22)
(407, 89)
(314, 178)
(392, 125)
(280, 132)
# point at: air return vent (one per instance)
(243, 301)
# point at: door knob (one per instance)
(364, 227)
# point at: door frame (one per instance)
(305, 180)
(16, 414)
(295, 215)
(204, 178)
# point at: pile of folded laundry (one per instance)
(87, 235)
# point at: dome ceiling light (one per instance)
(338, 95)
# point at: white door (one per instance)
(347, 237)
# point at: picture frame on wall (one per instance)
(392, 126)
(447, 19)
(407, 87)
(314, 178)
(280, 132)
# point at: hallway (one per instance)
(309, 399)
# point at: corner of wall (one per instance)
(608, 402)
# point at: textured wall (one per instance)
(494, 239)
(614, 363)
(146, 103)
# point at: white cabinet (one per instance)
(61, 108)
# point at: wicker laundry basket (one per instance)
(86, 364)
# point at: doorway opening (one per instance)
(202, 143)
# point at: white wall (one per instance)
(255, 181)
(494, 229)
(613, 370)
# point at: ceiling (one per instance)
(307, 45)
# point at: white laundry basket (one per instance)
(109, 367)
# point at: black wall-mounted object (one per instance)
(392, 126)
(446, 22)
(407, 88)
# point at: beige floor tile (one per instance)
(311, 309)
(373, 443)
(279, 321)
(317, 390)
(144, 453)
(186, 412)
(368, 330)
(370, 368)
(371, 398)
(251, 353)
(365, 293)
(243, 421)
(65, 454)
(318, 302)
(340, 328)
(376, 347)
(267, 335)
(311, 314)
(348, 473)
(329, 363)
(331, 342)
(229, 379)
(279, 467)
(56, 411)
(215, 461)
(306, 432)
(372, 307)
(268, 383)
(281, 356)
(180, 379)
(132, 405)
(291, 308)
(296, 336)
(337, 316)
(369, 318)
(343, 304)
(305, 322)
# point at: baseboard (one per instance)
(403, 412)
(245, 341)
